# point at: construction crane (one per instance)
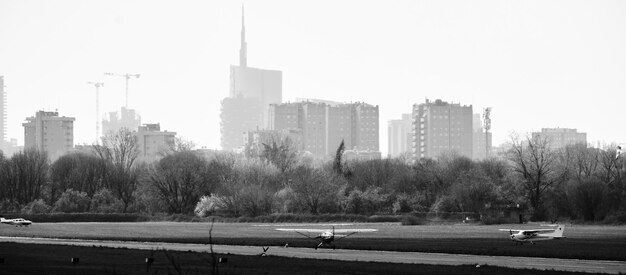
(487, 119)
(97, 85)
(127, 76)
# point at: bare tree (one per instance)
(24, 176)
(181, 179)
(534, 161)
(119, 151)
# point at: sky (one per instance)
(538, 64)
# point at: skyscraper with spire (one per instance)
(251, 88)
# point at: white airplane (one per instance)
(326, 237)
(531, 235)
(16, 222)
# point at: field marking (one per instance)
(561, 265)
(302, 224)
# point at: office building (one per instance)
(238, 115)
(48, 132)
(440, 128)
(152, 142)
(561, 137)
(246, 83)
(399, 136)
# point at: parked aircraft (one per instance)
(326, 237)
(16, 222)
(531, 235)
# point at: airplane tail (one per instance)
(558, 232)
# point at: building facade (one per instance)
(440, 128)
(3, 116)
(481, 139)
(325, 125)
(561, 137)
(152, 142)
(126, 118)
(48, 132)
(258, 88)
(399, 136)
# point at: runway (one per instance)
(590, 266)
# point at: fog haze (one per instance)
(538, 64)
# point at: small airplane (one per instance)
(531, 235)
(16, 222)
(326, 237)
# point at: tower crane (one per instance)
(127, 76)
(97, 85)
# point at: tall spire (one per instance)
(243, 51)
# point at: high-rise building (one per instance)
(481, 139)
(561, 137)
(249, 83)
(152, 142)
(48, 132)
(440, 127)
(325, 125)
(238, 115)
(126, 118)
(3, 116)
(399, 135)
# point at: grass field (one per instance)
(52, 259)
(582, 242)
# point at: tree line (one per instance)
(576, 182)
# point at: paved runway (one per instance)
(358, 255)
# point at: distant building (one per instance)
(399, 136)
(126, 118)
(238, 115)
(152, 142)
(257, 89)
(324, 126)
(440, 127)
(48, 132)
(3, 116)
(356, 155)
(481, 139)
(561, 137)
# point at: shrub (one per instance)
(9, 206)
(207, 205)
(72, 202)
(103, 201)
(412, 220)
(36, 207)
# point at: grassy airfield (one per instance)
(582, 241)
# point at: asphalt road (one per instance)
(591, 266)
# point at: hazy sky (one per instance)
(537, 63)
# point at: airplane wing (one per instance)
(511, 230)
(353, 231)
(308, 230)
(302, 232)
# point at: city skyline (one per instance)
(537, 64)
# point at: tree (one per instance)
(337, 164)
(24, 176)
(119, 152)
(312, 186)
(535, 163)
(281, 153)
(78, 171)
(181, 179)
